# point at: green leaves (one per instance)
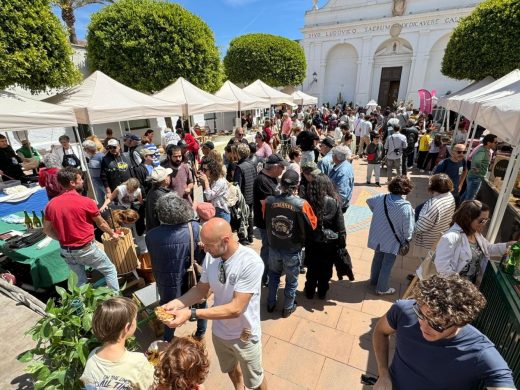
(485, 43)
(34, 51)
(148, 44)
(276, 60)
(64, 337)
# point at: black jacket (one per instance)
(289, 219)
(8, 166)
(331, 218)
(151, 200)
(141, 173)
(305, 140)
(115, 170)
(245, 175)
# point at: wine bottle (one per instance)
(43, 217)
(28, 221)
(36, 221)
(513, 260)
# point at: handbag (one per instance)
(403, 247)
(427, 269)
(194, 270)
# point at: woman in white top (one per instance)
(435, 216)
(295, 155)
(215, 188)
(463, 249)
(126, 194)
(263, 149)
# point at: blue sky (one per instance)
(231, 18)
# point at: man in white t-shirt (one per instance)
(234, 274)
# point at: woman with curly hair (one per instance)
(391, 226)
(215, 188)
(323, 244)
(183, 366)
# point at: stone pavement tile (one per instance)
(356, 323)
(275, 382)
(361, 266)
(376, 305)
(324, 312)
(281, 328)
(355, 251)
(293, 363)
(339, 376)
(362, 355)
(326, 341)
(348, 294)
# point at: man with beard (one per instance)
(181, 177)
(160, 179)
(115, 167)
(70, 219)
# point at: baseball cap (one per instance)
(290, 178)
(132, 137)
(209, 145)
(277, 159)
(113, 142)
(310, 167)
(328, 142)
(146, 152)
(160, 173)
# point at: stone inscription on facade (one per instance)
(383, 27)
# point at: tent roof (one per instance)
(444, 99)
(245, 100)
(259, 88)
(505, 86)
(303, 99)
(22, 113)
(502, 117)
(194, 100)
(101, 99)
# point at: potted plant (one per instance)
(64, 337)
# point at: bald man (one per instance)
(234, 273)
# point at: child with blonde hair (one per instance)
(126, 194)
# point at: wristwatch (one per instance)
(193, 314)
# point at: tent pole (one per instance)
(456, 131)
(503, 197)
(121, 129)
(471, 135)
(84, 161)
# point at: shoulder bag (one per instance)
(194, 270)
(403, 247)
(427, 267)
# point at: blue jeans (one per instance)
(472, 186)
(288, 263)
(264, 254)
(99, 189)
(93, 257)
(382, 264)
(221, 213)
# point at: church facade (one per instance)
(385, 50)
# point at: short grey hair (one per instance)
(88, 144)
(341, 152)
(173, 210)
(51, 160)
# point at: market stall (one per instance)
(259, 88)
(243, 99)
(302, 99)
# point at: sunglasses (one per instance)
(221, 272)
(240, 134)
(111, 147)
(483, 221)
(422, 317)
(461, 151)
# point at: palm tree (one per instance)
(67, 13)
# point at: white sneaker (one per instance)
(390, 291)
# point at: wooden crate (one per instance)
(121, 252)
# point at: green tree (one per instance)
(485, 43)
(276, 60)
(148, 44)
(67, 8)
(34, 52)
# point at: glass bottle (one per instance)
(513, 261)
(36, 221)
(43, 216)
(27, 220)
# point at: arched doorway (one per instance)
(340, 74)
(392, 61)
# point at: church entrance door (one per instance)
(389, 85)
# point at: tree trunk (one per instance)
(67, 14)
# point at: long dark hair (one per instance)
(317, 190)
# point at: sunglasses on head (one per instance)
(430, 323)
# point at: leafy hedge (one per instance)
(148, 44)
(276, 60)
(34, 51)
(485, 43)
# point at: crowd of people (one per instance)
(294, 184)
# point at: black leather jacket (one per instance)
(331, 218)
(288, 220)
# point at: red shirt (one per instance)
(71, 216)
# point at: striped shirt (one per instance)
(401, 214)
(434, 220)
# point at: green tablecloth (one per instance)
(46, 264)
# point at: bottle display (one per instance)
(36, 221)
(27, 220)
(513, 260)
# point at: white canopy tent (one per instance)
(443, 100)
(259, 88)
(244, 100)
(101, 99)
(194, 100)
(302, 99)
(22, 113)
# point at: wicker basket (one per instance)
(121, 252)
